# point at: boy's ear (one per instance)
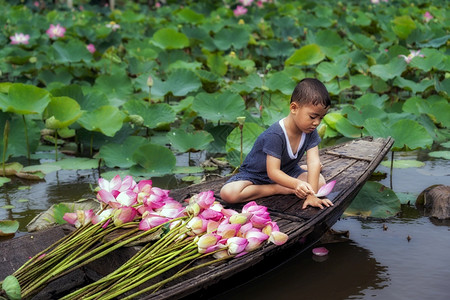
(293, 106)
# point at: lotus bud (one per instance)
(241, 120)
(32, 59)
(51, 123)
(150, 81)
(193, 209)
(136, 119)
(236, 245)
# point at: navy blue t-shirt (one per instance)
(273, 141)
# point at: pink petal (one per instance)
(326, 189)
(320, 251)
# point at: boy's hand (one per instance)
(303, 189)
(316, 202)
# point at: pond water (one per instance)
(377, 261)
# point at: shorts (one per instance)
(258, 179)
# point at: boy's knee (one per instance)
(229, 196)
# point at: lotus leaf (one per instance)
(440, 154)
(278, 49)
(435, 43)
(189, 142)
(359, 116)
(8, 227)
(443, 86)
(217, 64)
(187, 170)
(307, 55)
(432, 59)
(247, 65)
(390, 70)
(374, 200)
(4, 180)
(362, 41)
(76, 163)
(70, 52)
(234, 38)
(371, 99)
(180, 83)
(43, 168)
(57, 75)
(220, 134)
(117, 87)
(347, 129)
(250, 133)
(404, 163)
(155, 159)
(280, 81)
(332, 118)
(106, 119)
(17, 144)
(24, 99)
(419, 87)
(403, 26)
(329, 70)
(154, 115)
(63, 110)
(361, 82)
(169, 38)
(329, 41)
(190, 16)
(219, 107)
(120, 155)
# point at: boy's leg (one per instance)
(244, 190)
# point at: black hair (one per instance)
(311, 91)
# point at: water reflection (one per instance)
(347, 272)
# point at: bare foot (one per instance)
(279, 189)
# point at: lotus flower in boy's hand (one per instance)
(326, 189)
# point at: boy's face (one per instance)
(307, 117)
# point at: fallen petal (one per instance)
(320, 251)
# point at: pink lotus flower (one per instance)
(208, 243)
(79, 218)
(203, 199)
(127, 198)
(56, 31)
(239, 11)
(210, 214)
(91, 48)
(198, 225)
(124, 215)
(128, 183)
(411, 55)
(240, 218)
(227, 231)
(270, 226)
(150, 221)
(255, 239)
(326, 189)
(236, 245)
(428, 17)
(112, 185)
(246, 2)
(19, 38)
(104, 215)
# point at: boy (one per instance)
(272, 167)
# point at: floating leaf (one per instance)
(168, 38)
(4, 180)
(11, 168)
(440, 154)
(8, 227)
(76, 163)
(374, 200)
(404, 163)
(186, 141)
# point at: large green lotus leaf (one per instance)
(279, 48)
(358, 116)
(307, 55)
(8, 227)
(120, 155)
(24, 99)
(403, 163)
(416, 105)
(435, 43)
(443, 86)
(280, 81)
(441, 112)
(73, 51)
(141, 49)
(250, 133)
(189, 141)
(42, 168)
(432, 59)
(168, 38)
(219, 107)
(412, 85)
(216, 63)
(106, 119)
(76, 163)
(155, 159)
(332, 118)
(220, 134)
(329, 70)
(374, 200)
(190, 16)
(154, 115)
(62, 112)
(347, 129)
(403, 26)
(180, 83)
(376, 128)
(245, 64)
(362, 41)
(234, 38)
(56, 75)
(117, 87)
(181, 64)
(390, 70)
(371, 99)
(361, 81)
(329, 41)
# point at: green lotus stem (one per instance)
(159, 284)
(26, 137)
(56, 145)
(5, 145)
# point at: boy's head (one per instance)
(311, 91)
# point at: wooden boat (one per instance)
(350, 164)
